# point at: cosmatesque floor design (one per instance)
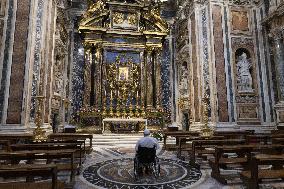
(111, 167)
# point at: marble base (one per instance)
(279, 108)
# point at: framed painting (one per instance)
(123, 74)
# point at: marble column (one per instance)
(97, 60)
(158, 78)
(279, 64)
(149, 78)
(87, 78)
(279, 67)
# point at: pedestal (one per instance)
(279, 108)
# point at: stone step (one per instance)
(119, 140)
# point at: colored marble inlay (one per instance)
(18, 64)
(48, 83)
(125, 57)
(229, 65)
(206, 75)
(119, 173)
(78, 74)
(37, 54)
(259, 68)
(1, 32)
(194, 75)
(220, 65)
(6, 57)
(266, 54)
(165, 74)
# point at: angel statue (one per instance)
(244, 75)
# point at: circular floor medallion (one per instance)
(118, 173)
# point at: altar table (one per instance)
(123, 120)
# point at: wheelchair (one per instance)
(146, 159)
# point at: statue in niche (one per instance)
(183, 84)
(244, 75)
(58, 78)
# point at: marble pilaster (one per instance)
(87, 77)
(279, 62)
(149, 78)
(158, 85)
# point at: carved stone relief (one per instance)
(240, 20)
(58, 74)
(183, 81)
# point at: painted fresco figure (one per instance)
(244, 75)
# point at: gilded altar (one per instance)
(123, 45)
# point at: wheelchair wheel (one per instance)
(135, 169)
(156, 168)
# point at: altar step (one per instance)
(118, 140)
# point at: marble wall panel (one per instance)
(49, 82)
(18, 63)
(2, 15)
(240, 20)
(220, 65)
(1, 32)
(195, 73)
(166, 85)
(78, 74)
(37, 54)
(6, 56)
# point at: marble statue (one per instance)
(244, 75)
(183, 84)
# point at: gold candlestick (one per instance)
(39, 134)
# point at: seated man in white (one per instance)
(146, 142)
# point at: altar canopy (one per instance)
(123, 42)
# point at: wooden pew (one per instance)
(77, 146)
(253, 176)
(278, 141)
(5, 145)
(177, 135)
(201, 147)
(234, 134)
(277, 132)
(27, 171)
(73, 137)
(16, 138)
(185, 143)
(260, 138)
(244, 154)
(48, 155)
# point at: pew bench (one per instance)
(242, 157)
(185, 143)
(77, 146)
(48, 156)
(73, 137)
(234, 134)
(207, 147)
(177, 135)
(255, 175)
(12, 171)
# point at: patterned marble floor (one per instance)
(110, 166)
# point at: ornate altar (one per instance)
(123, 43)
